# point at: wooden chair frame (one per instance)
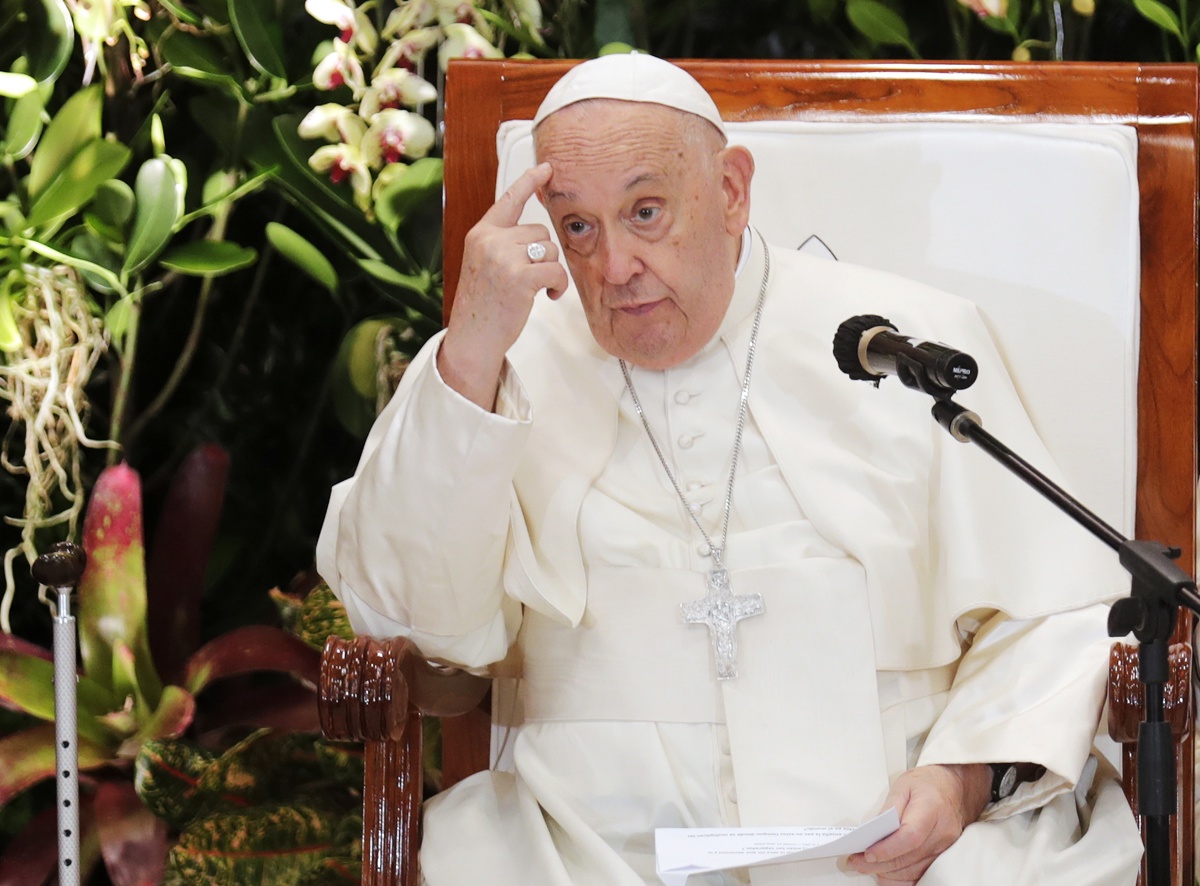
(374, 689)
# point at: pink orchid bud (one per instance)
(395, 134)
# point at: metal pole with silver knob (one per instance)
(59, 570)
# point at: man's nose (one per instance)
(619, 257)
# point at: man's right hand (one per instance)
(496, 290)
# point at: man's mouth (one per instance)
(641, 308)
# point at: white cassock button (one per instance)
(731, 795)
(695, 507)
(686, 440)
(682, 397)
(695, 486)
(703, 549)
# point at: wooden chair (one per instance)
(376, 690)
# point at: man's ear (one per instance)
(737, 169)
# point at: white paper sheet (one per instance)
(681, 852)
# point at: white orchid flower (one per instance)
(345, 163)
(993, 8)
(395, 134)
(409, 51)
(409, 15)
(340, 68)
(463, 41)
(334, 123)
(354, 26)
(393, 88)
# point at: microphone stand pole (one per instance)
(60, 570)
(1159, 587)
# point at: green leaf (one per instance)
(1161, 15)
(10, 335)
(116, 320)
(257, 29)
(158, 195)
(879, 24)
(181, 13)
(418, 283)
(302, 254)
(76, 124)
(419, 182)
(50, 39)
(112, 592)
(175, 711)
(16, 85)
(76, 185)
(29, 757)
(167, 774)
(26, 682)
(24, 126)
(197, 58)
(208, 258)
(91, 248)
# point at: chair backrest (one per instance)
(1076, 231)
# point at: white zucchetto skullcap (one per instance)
(631, 77)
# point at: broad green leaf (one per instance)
(251, 649)
(104, 232)
(198, 58)
(16, 85)
(266, 765)
(50, 39)
(26, 674)
(112, 593)
(1161, 15)
(418, 283)
(171, 718)
(323, 615)
(269, 844)
(158, 202)
(91, 248)
(302, 254)
(419, 182)
(10, 335)
(24, 126)
(114, 202)
(879, 23)
(116, 320)
(167, 774)
(29, 757)
(76, 124)
(257, 29)
(76, 185)
(208, 258)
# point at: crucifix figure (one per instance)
(720, 610)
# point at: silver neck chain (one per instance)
(717, 551)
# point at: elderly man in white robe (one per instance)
(574, 479)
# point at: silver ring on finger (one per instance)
(536, 251)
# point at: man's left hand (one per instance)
(935, 804)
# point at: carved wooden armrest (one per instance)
(1127, 695)
(376, 691)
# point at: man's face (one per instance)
(649, 209)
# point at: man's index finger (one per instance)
(507, 210)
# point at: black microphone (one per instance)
(868, 347)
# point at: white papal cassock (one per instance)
(921, 606)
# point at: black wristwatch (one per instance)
(1006, 777)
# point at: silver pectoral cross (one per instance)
(721, 610)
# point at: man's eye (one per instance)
(576, 228)
(647, 213)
